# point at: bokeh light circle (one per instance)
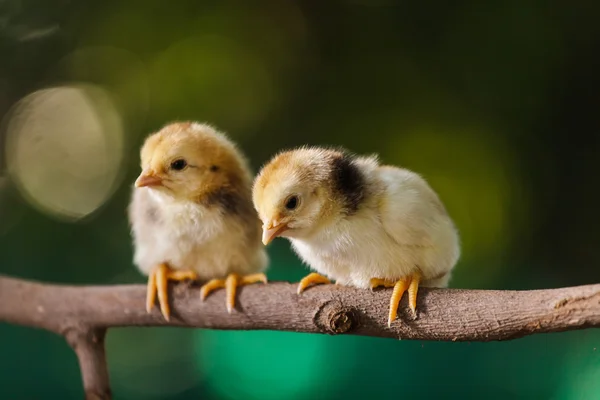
(64, 148)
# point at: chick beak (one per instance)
(271, 231)
(148, 179)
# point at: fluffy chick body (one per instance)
(203, 238)
(199, 219)
(357, 220)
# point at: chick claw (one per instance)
(311, 279)
(158, 283)
(230, 284)
(411, 283)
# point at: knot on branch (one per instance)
(334, 318)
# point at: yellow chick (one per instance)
(191, 214)
(357, 222)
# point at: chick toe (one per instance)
(410, 284)
(231, 284)
(377, 282)
(151, 291)
(312, 279)
(230, 290)
(210, 286)
(162, 290)
(182, 275)
(254, 278)
(158, 284)
(399, 289)
(412, 293)
(233, 281)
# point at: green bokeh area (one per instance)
(494, 103)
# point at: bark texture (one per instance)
(83, 314)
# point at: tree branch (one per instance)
(82, 314)
(89, 347)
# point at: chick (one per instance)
(357, 222)
(191, 214)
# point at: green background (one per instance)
(496, 104)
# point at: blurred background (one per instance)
(496, 104)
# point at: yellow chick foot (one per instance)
(312, 279)
(230, 284)
(411, 283)
(158, 283)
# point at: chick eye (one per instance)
(214, 168)
(291, 203)
(179, 164)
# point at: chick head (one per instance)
(188, 161)
(299, 191)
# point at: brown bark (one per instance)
(82, 314)
(88, 344)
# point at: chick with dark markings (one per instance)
(191, 214)
(357, 222)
